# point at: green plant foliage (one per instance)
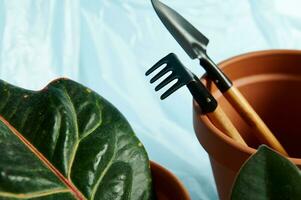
(267, 176)
(67, 142)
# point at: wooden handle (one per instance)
(222, 121)
(242, 106)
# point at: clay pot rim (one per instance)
(157, 167)
(220, 134)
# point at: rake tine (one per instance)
(171, 90)
(165, 82)
(160, 74)
(157, 65)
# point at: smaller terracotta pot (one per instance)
(166, 185)
(271, 82)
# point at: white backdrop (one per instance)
(109, 44)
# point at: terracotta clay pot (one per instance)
(271, 82)
(166, 185)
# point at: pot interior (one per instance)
(272, 85)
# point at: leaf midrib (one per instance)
(71, 187)
(34, 194)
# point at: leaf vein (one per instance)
(104, 171)
(76, 131)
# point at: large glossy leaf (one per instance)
(76, 145)
(267, 176)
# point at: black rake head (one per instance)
(178, 72)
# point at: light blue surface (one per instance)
(109, 44)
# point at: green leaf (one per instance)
(74, 145)
(267, 176)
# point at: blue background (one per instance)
(109, 44)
